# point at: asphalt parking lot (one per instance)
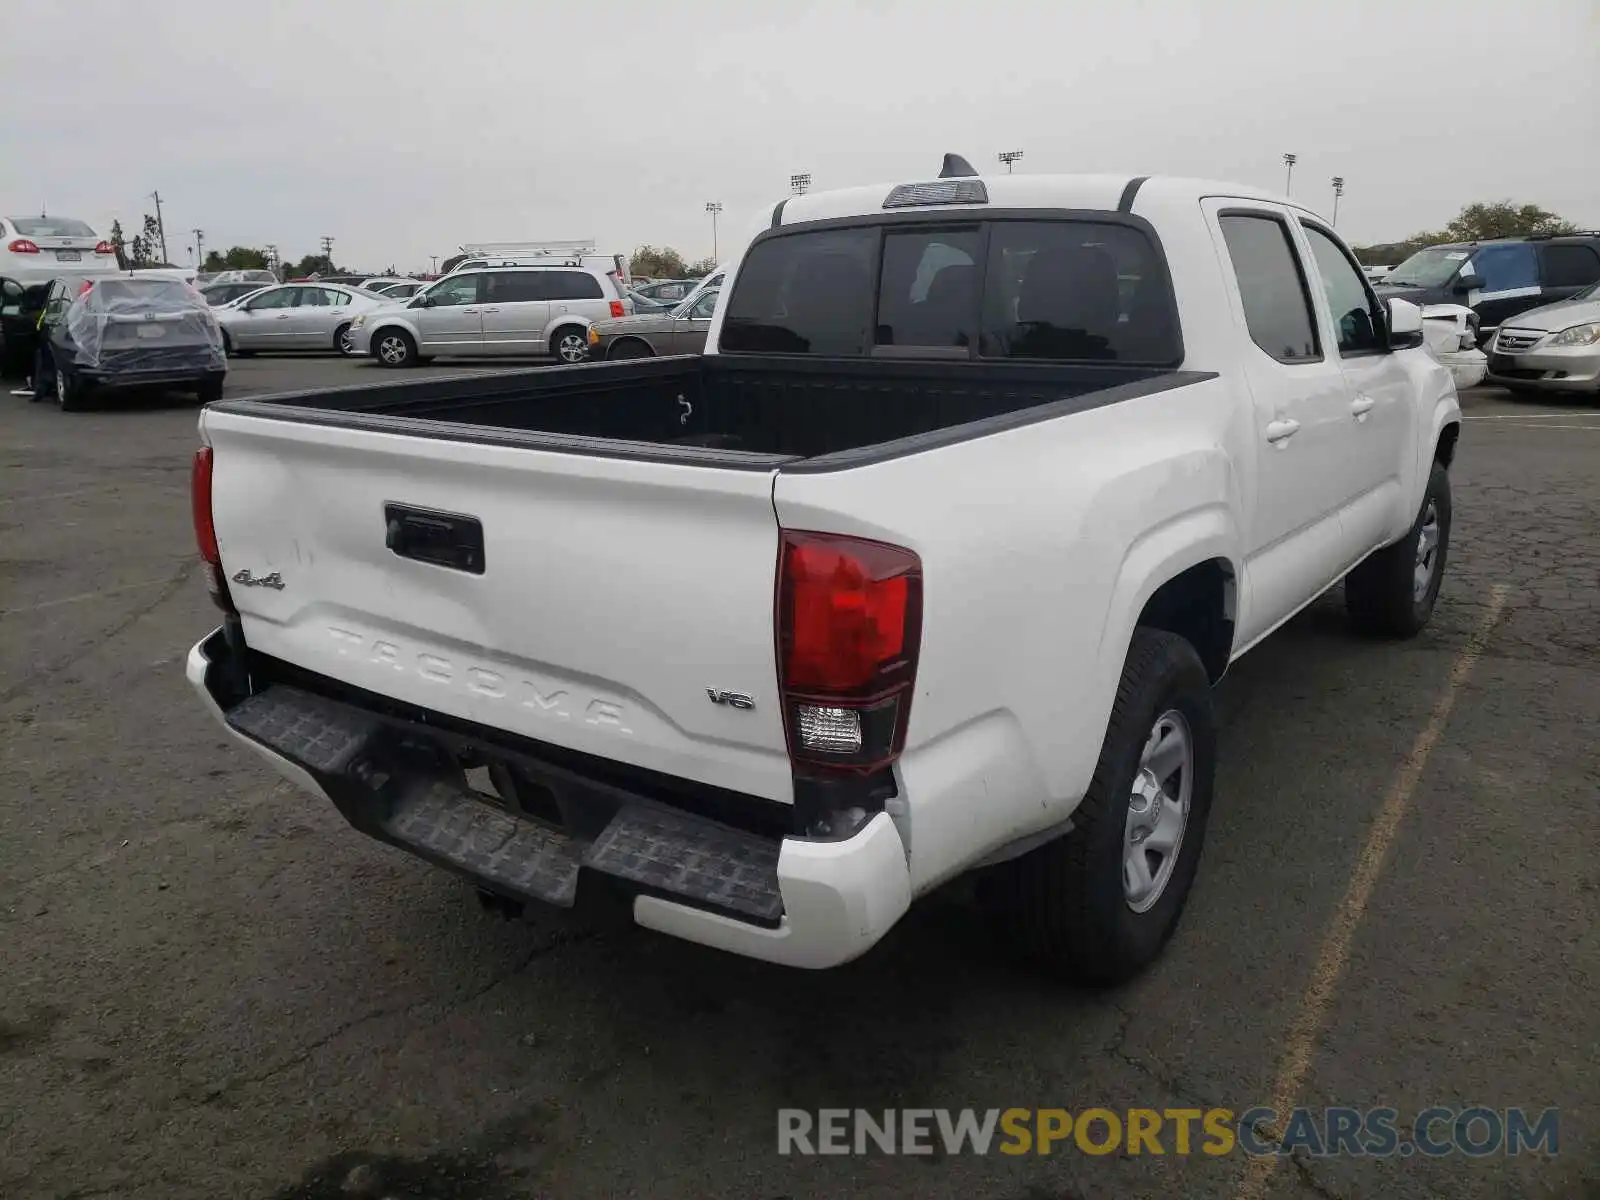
(210, 986)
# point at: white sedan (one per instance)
(295, 316)
(39, 249)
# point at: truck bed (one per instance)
(755, 413)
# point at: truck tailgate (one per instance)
(611, 599)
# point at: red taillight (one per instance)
(83, 288)
(105, 248)
(205, 529)
(23, 246)
(616, 309)
(849, 630)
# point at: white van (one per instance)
(560, 253)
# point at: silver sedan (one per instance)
(295, 316)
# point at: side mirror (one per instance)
(1405, 325)
(1467, 282)
(423, 301)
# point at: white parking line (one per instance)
(1524, 425)
(1582, 416)
(82, 596)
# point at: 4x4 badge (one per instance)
(245, 579)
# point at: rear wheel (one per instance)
(1393, 591)
(342, 341)
(394, 348)
(1098, 904)
(209, 391)
(630, 348)
(570, 344)
(70, 392)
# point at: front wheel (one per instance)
(394, 348)
(630, 348)
(1098, 904)
(1393, 591)
(209, 391)
(571, 344)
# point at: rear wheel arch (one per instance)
(1444, 450)
(1201, 605)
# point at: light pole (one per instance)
(435, 259)
(161, 225)
(199, 248)
(272, 258)
(1288, 180)
(799, 184)
(1008, 157)
(1338, 190)
(713, 207)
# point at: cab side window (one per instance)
(1277, 305)
(1349, 302)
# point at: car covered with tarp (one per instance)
(133, 332)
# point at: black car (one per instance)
(126, 332)
(1498, 279)
(20, 305)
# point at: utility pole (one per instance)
(1008, 157)
(161, 227)
(713, 207)
(1338, 190)
(199, 248)
(327, 252)
(1289, 161)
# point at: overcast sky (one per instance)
(405, 127)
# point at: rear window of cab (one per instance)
(1063, 290)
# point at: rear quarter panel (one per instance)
(1039, 547)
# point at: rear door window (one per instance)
(513, 287)
(573, 285)
(1570, 264)
(1272, 286)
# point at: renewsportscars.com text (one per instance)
(1328, 1132)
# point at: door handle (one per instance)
(473, 311)
(1279, 432)
(283, 316)
(490, 310)
(1361, 406)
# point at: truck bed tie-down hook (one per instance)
(688, 410)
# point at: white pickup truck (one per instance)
(927, 566)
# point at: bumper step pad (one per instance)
(664, 850)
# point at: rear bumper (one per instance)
(785, 900)
(153, 377)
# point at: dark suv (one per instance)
(1498, 279)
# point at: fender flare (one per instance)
(1198, 535)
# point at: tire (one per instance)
(227, 345)
(631, 347)
(570, 345)
(70, 393)
(394, 348)
(1393, 591)
(342, 343)
(1072, 905)
(209, 391)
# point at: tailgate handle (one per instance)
(441, 538)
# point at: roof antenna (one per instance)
(956, 167)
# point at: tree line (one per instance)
(1477, 222)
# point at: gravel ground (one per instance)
(210, 986)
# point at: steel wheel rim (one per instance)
(1158, 811)
(61, 386)
(392, 350)
(571, 348)
(1427, 552)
